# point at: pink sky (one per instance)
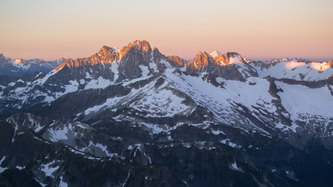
(256, 29)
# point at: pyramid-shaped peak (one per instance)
(229, 58)
(141, 42)
(106, 50)
(141, 45)
(69, 62)
(2, 56)
(201, 60)
(137, 45)
(203, 56)
(105, 47)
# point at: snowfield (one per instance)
(300, 100)
(290, 69)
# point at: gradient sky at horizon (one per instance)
(257, 29)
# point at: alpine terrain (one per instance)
(135, 117)
(19, 67)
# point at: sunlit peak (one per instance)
(320, 66)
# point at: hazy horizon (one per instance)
(258, 30)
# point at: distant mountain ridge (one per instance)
(18, 67)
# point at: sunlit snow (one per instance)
(291, 69)
(300, 100)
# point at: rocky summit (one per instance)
(135, 117)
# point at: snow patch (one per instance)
(82, 81)
(62, 183)
(109, 103)
(18, 63)
(153, 67)
(114, 69)
(115, 49)
(167, 64)
(235, 60)
(1, 168)
(98, 83)
(58, 134)
(155, 128)
(144, 70)
(217, 132)
(161, 102)
(229, 143)
(49, 168)
(234, 166)
(12, 84)
(215, 54)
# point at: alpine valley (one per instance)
(135, 117)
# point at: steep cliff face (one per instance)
(230, 66)
(176, 61)
(202, 62)
(106, 55)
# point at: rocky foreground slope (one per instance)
(135, 117)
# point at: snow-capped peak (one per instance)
(234, 58)
(215, 54)
(17, 61)
(115, 49)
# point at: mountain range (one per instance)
(135, 117)
(19, 67)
